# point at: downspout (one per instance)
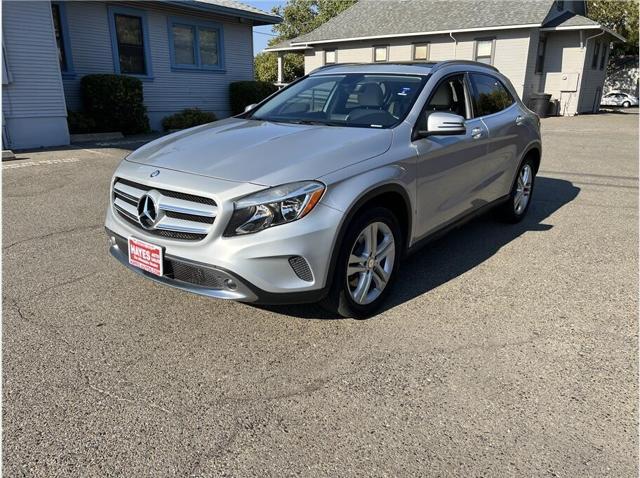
(455, 47)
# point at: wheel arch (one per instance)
(391, 196)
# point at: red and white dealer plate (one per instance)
(146, 256)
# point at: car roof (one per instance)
(390, 68)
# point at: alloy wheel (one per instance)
(523, 189)
(371, 263)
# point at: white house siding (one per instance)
(563, 65)
(592, 79)
(509, 55)
(169, 91)
(33, 104)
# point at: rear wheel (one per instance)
(626, 104)
(520, 197)
(367, 264)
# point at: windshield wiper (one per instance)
(315, 122)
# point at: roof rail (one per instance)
(442, 64)
(427, 64)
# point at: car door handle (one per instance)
(476, 133)
(519, 120)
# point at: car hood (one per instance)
(263, 152)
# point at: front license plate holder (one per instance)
(146, 256)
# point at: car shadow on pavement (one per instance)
(460, 250)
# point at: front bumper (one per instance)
(258, 263)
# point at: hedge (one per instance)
(187, 118)
(80, 123)
(115, 103)
(245, 93)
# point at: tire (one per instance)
(364, 279)
(626, 104)
(515, 209)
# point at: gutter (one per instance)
(402, 35)
(265, 18)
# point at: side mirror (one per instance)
(249, 107)
(440, 123)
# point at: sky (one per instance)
(262, 34)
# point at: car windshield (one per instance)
(356, 100)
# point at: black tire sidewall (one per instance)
(345, 305)
(509, 211)
(626, 104)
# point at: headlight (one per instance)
(274, 206)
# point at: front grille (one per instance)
(193, 274)
(178, 215)
(301, 267)
(180, 270)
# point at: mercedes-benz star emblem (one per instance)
(147, 213)
(155, 173)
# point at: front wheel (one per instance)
(367, 264)
(517, 206)
(626, 104)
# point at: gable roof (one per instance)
(230, 7)
(390, 18)
(569, 19)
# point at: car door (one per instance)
(496, 107)
(448, 166)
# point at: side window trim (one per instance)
(467, 99)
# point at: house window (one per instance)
(195, 45)
(129, 41)
(420, 51)
(60, 30)
(380, 53)
(596, 54)
(330, 57)
(484, 51)
(542, 44)
(603, 56)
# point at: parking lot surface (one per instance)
(504, 351)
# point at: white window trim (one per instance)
(493, 48)
(421, 43)
(373, 50)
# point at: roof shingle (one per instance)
(369, 18)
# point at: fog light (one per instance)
(230, 284)
(112, 241)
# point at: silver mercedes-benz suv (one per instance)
(317, 192)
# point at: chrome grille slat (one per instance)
(179, 225)
(125, 207)
(128, 191)
(180, 215)
(187, 207)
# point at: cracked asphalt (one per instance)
(504, 351)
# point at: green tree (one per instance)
(298, 17)
(621, 17)
(266, 66)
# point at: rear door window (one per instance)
(489, 94)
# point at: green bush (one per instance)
(80, 123)
(115, 102)
(244, 93)
(187, 118)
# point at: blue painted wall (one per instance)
(33, 104)
(166, 91)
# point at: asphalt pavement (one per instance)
(504, 351)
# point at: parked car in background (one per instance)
(618, 98)
(317, 192)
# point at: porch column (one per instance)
(280, 74)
